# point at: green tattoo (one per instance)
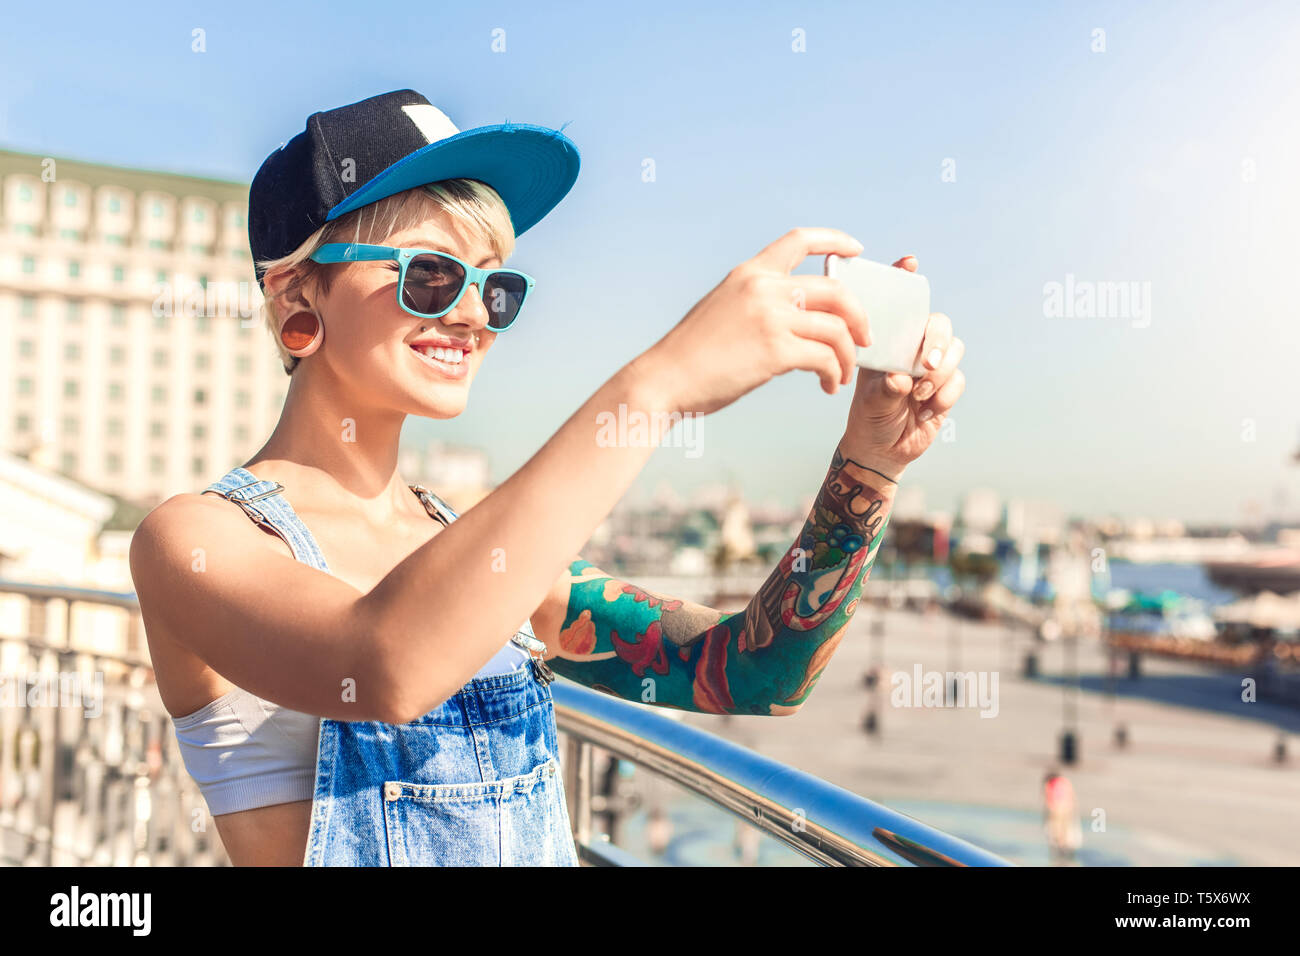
(766, 659)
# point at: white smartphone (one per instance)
(897, 303)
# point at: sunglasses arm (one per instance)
(349, 252)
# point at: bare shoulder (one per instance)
(185, 522)
(185, 534)
(171, 542)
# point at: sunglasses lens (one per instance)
(432, 283)
(503, 295)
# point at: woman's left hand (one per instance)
(894, 417)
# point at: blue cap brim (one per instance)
(531, 167)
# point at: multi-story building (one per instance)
(130, 334)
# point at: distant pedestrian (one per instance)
(1061, 820)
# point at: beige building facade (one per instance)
(130, 336)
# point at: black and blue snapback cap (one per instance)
(357, 154)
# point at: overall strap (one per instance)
(436, 507)
(264, 502)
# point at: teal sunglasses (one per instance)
(430, 283)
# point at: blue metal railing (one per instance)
(829, 824)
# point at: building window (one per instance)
(241, 433)
(159, 358)
(27, 306)
(159, 395)
(242, 363)
(113, 463)
(69, 198)
(202, 360)
(69, 234)
(115, 391)
(29, 265)
(200, 396)
(198, 214)
(69, 462)
(198, 249)
(114, 426)
(155, 465)
(74, 310)
(157, 244)
(203, 323)
(117, 355)
(118, 313)
(157, 209)
(199, 432)
(25, 229)
(241, 398)
(25, 386)
(71, 352)
(119, 274)
(114, 204)
(23, 423)
(25, 194)
(70, 388)
(70, 425)
(26, 347)
(113, 239)
(160, 277)
(160, 321)
(74, 268)
(157, 429)
(199, 467)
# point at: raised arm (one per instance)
(626, 641)
(647, 647)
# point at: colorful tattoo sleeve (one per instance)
(641, 646)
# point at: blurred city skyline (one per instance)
(1157, 153)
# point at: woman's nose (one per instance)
(471, 309)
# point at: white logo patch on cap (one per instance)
(432, 122)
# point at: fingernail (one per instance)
(935, 357)
(924, 391)
(925, 415)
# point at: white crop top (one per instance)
(246, 752)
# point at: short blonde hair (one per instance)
(472, 202)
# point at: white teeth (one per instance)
(450, 356)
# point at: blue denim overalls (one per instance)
(474, 782)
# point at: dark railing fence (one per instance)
(90, 772)
(107, 790)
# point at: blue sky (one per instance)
(1167, 160)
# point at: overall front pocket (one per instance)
(512, 822)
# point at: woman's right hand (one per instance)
(760, 322)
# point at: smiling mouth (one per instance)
(453, 363)
(448, 354)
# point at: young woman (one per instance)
(374, 690)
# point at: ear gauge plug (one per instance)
(301, 333)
